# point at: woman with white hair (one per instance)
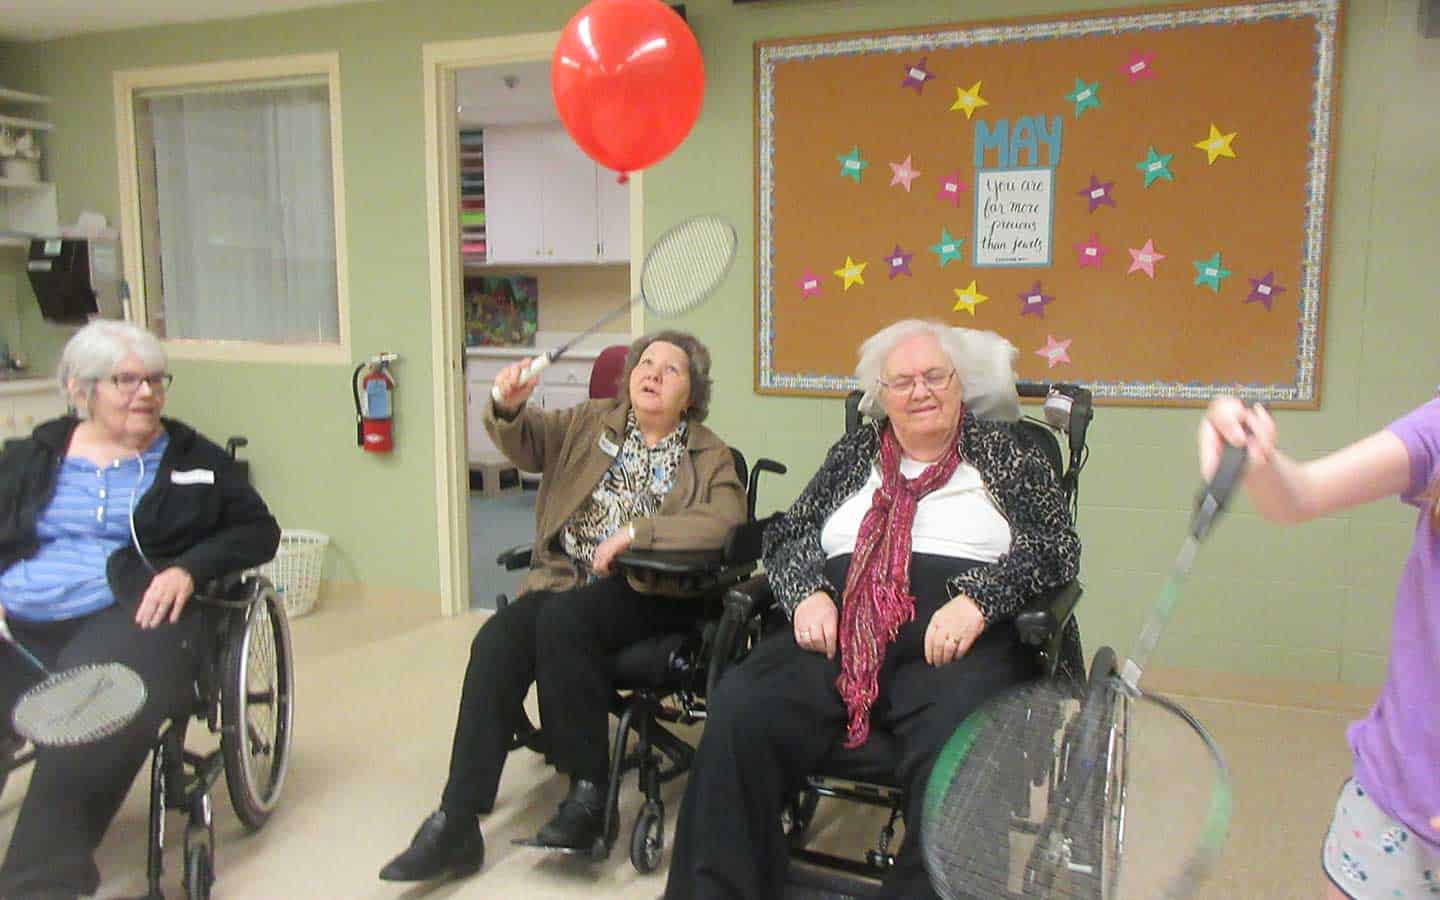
(109, 519)
(901, 567)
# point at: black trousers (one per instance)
(559, 641)
(774, 719)
(75, 792)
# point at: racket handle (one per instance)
(1217, 493)
(529, 373)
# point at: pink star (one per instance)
(810, 284)
(1055, 352)
(903, 173)
(1139, 66)
(950, 188)
(1091, 252)
(1144, 259)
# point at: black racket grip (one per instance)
(1216, 494)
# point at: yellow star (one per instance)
(1217, 144)
(968, 299)
(851, 272)
(969, 100)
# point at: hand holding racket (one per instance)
(682, 269)
(76, 705)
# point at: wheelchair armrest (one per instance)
(745, 541)
(222, 585)
(1044, 617)
(742, 604)
(672, 562)
(515, 557)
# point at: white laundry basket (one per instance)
(295, 570)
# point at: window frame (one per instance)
(130, 82)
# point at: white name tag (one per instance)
(193, 476)
(607, 446)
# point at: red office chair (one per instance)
(605, 374)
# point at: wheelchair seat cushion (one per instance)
(877, 761)
(656, 662)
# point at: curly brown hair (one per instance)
(698, 355)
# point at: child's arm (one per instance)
(1286, 491)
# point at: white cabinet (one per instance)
(547, 202)
(27, 204)
(25, 404)
(563, 384)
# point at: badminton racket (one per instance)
(683, 268)
(75, 705)
(1090, 792)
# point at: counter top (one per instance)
(27, 384)
(589, 348)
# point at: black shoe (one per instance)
(444, 844)
(581, 819)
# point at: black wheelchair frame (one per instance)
(663, 680)
(866, 776)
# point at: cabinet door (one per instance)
(478, 379)
(612, 202)
(568, 198)
(565, 395)
(8, 427)
(513, 183)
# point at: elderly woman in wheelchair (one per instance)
(900, 567)
(639, 471)
(108, 520)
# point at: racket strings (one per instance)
(79, 705)
(687, 264)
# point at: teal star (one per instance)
(1084, 96)
(1156, 165)
(948, 248)
(1210, 272)
(851, 165)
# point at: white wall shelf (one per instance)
(27, 207)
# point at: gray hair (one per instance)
(698, 355)
(983, 360)
(94, 351)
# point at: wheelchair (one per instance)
(866, 775)
(665, 679)
(244, 692)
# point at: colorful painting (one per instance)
(501, 311)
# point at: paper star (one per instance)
(1098, 193)
(969, 101)
(1156, 166)
(1055, 352)
(809, 284)
(1084, 96)
(950, 188)
(899, 262)
(1217, 144)
(968, 299)
(1210, 273)
(948, 248)
(916, 75)
(851, 272)
(1263, 290)
(1139, 66)
(1034, 301)
(1091, 252)
(1144, 259)
(903, 173)
(851, 165)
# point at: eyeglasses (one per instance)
(129, 382)
(935, 379)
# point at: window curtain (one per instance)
(245, 203)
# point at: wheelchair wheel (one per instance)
(647, 841)
(795, 818)
(256, 707)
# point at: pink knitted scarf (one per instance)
(877, 598)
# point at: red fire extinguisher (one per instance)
(375, 417)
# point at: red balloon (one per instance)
(628, 81)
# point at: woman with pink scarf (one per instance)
(901, 567)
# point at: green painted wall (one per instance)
(1311, 602)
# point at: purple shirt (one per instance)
(1397, 746)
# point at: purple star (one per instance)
(899, 262)
(1034, 301)
(916, 75)
(1098, 192)
(1263, 290)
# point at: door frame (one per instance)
(440, 61)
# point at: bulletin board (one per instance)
(1136, 199)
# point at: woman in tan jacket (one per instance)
(639, 471)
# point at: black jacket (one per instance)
(208, 529)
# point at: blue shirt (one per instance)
(87, 520)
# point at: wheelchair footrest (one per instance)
(596, 851)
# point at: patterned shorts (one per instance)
(1370, 855)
